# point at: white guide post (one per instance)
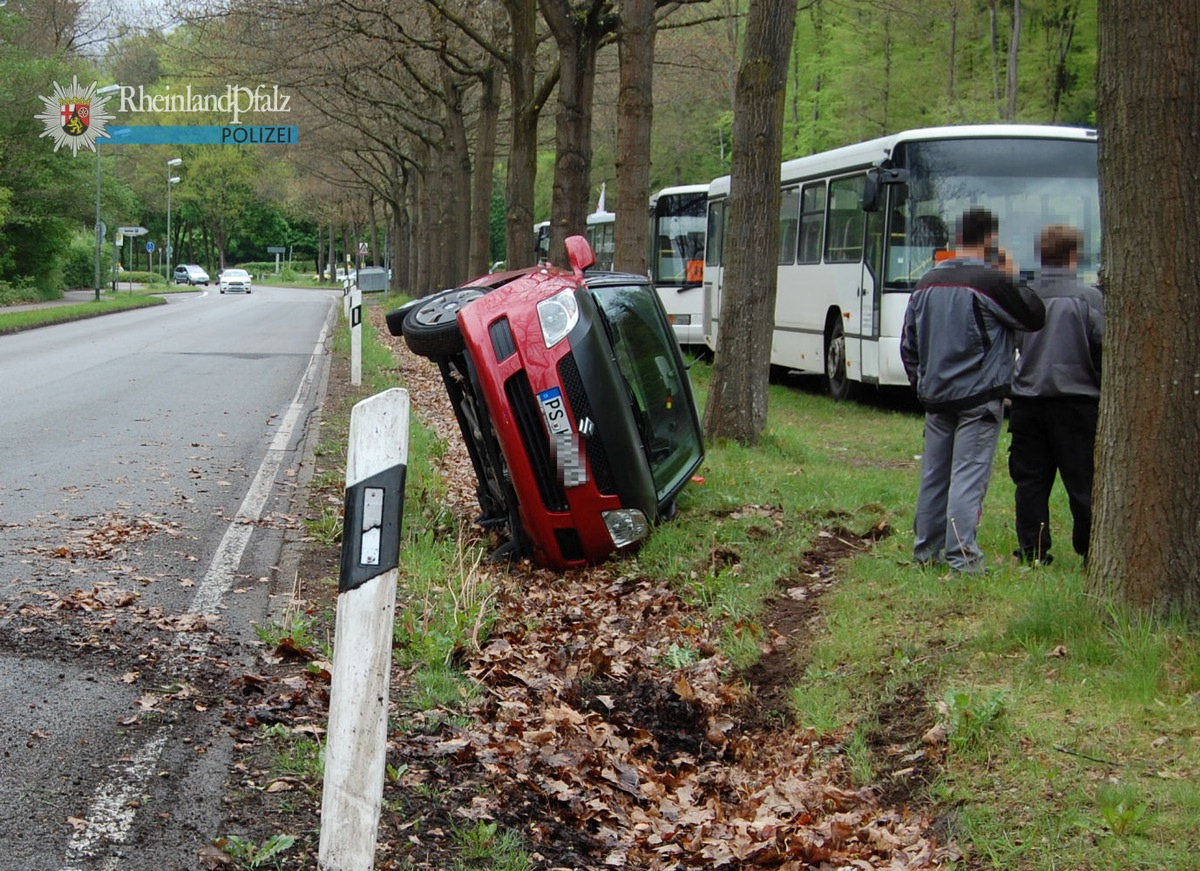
(355, 335)
(355, 751)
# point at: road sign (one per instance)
(149, 247)
(132, 231)
(276, 249)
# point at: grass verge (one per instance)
(16, 321)
(1043, 729)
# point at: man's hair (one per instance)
(976, 225)
(1057, 243)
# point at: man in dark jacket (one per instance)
(957, 348)
(1056, 399)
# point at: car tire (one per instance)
(840, 386)
(431, 329)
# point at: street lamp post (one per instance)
(175, 161)
(107, 89)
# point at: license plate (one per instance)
(554, 410)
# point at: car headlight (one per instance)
(626, 525)
(558, 315)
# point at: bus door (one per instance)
(853, 287)
(714, 270)
(870, 291)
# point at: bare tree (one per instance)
(635, 110)
(1145, 547)
(579, 31)
(737, 398)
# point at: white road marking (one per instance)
(114, 806)
(219, 577)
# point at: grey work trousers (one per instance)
(956, 468)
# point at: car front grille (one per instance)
(537, 444)
(581, 408)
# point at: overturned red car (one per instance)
(573, 400)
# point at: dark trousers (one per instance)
(1052, 436)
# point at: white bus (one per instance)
(676, 257)
(600, 228)
(859, 225)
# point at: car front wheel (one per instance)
(431, 329)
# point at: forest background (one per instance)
(411, 117)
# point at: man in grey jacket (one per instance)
(1056, 399)
(957, 348)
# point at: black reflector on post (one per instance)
(371, 529)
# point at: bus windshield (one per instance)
(1027, 183)
(677, 226)
(648, 357)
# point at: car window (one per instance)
(648, 358)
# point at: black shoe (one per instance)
(1033, 557)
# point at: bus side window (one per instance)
(714, 247)
(844, 242)
(789, 204)
(812, 222)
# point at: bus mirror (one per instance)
(870, 200)
(877, 177)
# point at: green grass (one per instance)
(15, 321)
(1073, 729)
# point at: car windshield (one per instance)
(649, 360)
(236, 273)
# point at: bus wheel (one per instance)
(835, 363)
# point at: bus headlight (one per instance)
(626, 525)
(558, 316)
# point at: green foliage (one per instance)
(296, 629)
(246, 854)
(79, 262)
(972, 717)
(327, 528)
(20, 291)
(484, 845)
(1124, 811)
(295, 754)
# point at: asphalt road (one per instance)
(148, 465)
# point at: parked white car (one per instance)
(235, 281)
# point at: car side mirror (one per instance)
(580, 255)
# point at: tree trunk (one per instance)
(1068, 17)
(372, 229)
(1145, 549)
(526, 106)
(332, 255)
(994, 28)
(320, 254)
(457, 202)
(1014, 50)
(480, 256)
(737, 397)
(635, 112)
(577, 32)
